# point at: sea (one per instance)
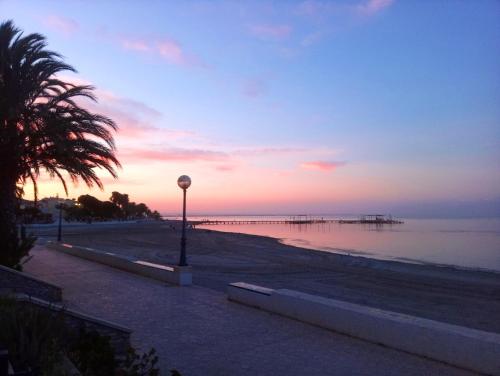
(463, 243)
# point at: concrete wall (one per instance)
(181, 276)
(13, 281)
(460, 346)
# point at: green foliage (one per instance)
(38, 340)
(15, 254)
(93, 354)
(33, 337)
(19, 254)
(44, 128)
(130, 209)
(140, 365)
(119, 207)
(156, 215)
(120, 199)
(23, 248)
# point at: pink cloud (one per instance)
(308, 7)
(372, 7)
(177, 133)
(321, 10)
(317, 10)
(64, 25)
(269, 151)
(135, 45)
(108, 180)
(172, 52)
(128, 104)
(172, 154)
(254, 88)
(225, 168)
(275, 32)
(165, 49)
(135, 119)
(321, 165)
(312, 38)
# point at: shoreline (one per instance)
(364, 254)
(403, 260)
(363, 258)
(335, 251)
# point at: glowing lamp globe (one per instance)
(184, 181)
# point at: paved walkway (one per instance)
(197, 331)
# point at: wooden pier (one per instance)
(262, 222)
(376, 219)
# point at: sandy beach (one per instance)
(463, 297)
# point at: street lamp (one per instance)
(183, 182)
(59, 227)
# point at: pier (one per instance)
(377, 219)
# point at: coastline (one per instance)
(370, 256)
(372, 260)
(375, 257)
(469, 244)
(443, 293)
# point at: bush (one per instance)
(38, 341)
(140, 365)
(93, 354)
(19, 254)
(33, 337)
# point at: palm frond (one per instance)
(43, 127)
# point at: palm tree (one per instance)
(42, 127)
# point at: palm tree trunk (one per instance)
(8, 227)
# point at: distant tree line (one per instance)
(119, 207)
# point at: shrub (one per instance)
(19, 255)
(38, 342)
(93, 354)
(34, 338)
(140, 365)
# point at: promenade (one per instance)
(198, 332)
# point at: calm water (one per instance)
(471, 243)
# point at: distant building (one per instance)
(49, 205)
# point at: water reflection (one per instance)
(473, 243)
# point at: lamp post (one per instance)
(59, 227)
(183, 182)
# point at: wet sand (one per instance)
(462, 297)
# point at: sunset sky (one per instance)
(290, 107)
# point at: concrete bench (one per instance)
(460, 346)
(177, 275)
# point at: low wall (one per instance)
(13, 281)
(119, 335)
(460, 346)
(177, 275)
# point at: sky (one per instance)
(289, 107)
